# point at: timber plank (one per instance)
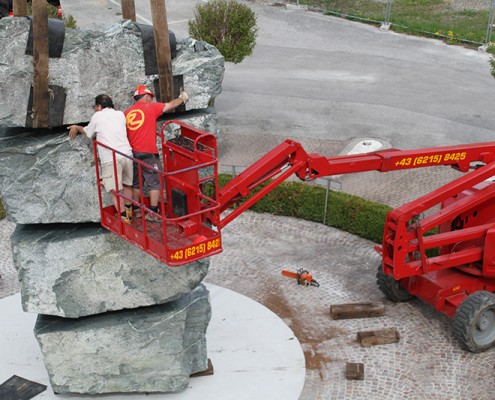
(377, 337)
(357, 310)
(354, 371)
(206, 372)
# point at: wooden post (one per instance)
(19, 8)
(40, 60)
(129, 10)
(162, 45)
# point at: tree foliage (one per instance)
(69, 21)
(227, 25)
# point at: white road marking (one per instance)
(146, 20)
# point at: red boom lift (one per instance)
(458, 281)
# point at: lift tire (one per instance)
(391, 288)
(474, 322)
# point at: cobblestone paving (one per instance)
(427, 363)
(244, 150)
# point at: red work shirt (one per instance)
(141, 126)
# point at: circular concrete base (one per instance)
(254, 354)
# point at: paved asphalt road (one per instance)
(330, 79)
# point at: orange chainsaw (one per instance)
(303, 277)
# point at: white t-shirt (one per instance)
(109, 127)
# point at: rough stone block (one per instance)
(48, 178)
(76, 270)
(151, 349)
(94, 62)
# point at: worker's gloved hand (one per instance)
(184, 96)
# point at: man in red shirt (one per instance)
(141, 131)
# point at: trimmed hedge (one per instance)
(347, 212)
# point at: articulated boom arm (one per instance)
(290, 158)
(444, 255)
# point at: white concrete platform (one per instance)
(254, 354)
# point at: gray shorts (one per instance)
(150, 178)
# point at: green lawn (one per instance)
(421, 17)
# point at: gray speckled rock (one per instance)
(93, 62)
(48, 178)
(73, 271)
(152, 349)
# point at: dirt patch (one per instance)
(304, 322)
(460, 5)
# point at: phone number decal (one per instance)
(433, 159)
(195, 250)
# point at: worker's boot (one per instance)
(125, 219)
(128, 211)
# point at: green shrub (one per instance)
(350, 213)
(69, 21)
(492, 65)
(227, 25)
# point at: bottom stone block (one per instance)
(149, 349)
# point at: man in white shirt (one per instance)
(109, 126)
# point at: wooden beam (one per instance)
(208, 371)
(129, 10)
(19, 7)
(354, 371)
(162, 46)
(40, 60)
(380, 336)
(357, 310)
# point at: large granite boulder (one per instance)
(94, 62)
(47, 178)
(152, 349)
(82, 269)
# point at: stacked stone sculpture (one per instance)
(112, 319)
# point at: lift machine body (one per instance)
(460, 233)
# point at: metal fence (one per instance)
(455, 21)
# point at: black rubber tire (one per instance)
(391, 288)
(474, 322)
